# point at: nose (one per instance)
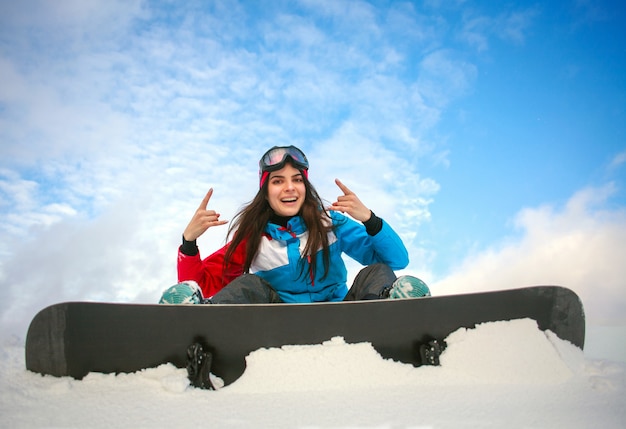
(289, 184)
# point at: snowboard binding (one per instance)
(430, 352)
(199, 366)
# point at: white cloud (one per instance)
(475, 32)
(444, 77)
(617, 161)
(79, 19)
(580, 246)
(511, 26)
(120, 116)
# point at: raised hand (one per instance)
(202, 220)
(350, 203)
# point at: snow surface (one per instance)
(498, 375)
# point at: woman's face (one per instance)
(286, 191)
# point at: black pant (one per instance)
(372, 282)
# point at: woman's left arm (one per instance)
(349, 203)
(376, 242)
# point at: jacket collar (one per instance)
(295, 226)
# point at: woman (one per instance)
(286, 247)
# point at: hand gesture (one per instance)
(202, 220)
(350, 203)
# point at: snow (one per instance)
(500, 374)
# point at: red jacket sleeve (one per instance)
(210, 273)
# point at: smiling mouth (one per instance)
(289, 200)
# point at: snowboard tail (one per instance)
(75, 338)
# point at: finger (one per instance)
(205, 200)
(338, 205)
(209, 215)
(343, 187)
(214, 220)
(209, 221)
(337, 208)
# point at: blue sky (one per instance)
(491, 136)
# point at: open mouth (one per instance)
(289, 200)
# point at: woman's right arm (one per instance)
(208, 273)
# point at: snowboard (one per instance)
(75, 338)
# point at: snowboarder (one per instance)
(286, 247)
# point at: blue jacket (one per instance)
(279, 258)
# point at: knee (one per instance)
(378, 269)
(245, 280)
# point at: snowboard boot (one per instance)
(187, 292)
(408, 287)
(430, 352)
(199, 367)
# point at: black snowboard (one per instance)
(76, 338)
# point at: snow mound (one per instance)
(513, 352)
(505, 374)
(333, 364)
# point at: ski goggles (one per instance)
(275, 159)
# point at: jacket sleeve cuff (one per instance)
(189, 248)
(373, 225)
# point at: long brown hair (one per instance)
(249, 227)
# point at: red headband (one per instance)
(266, 174)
